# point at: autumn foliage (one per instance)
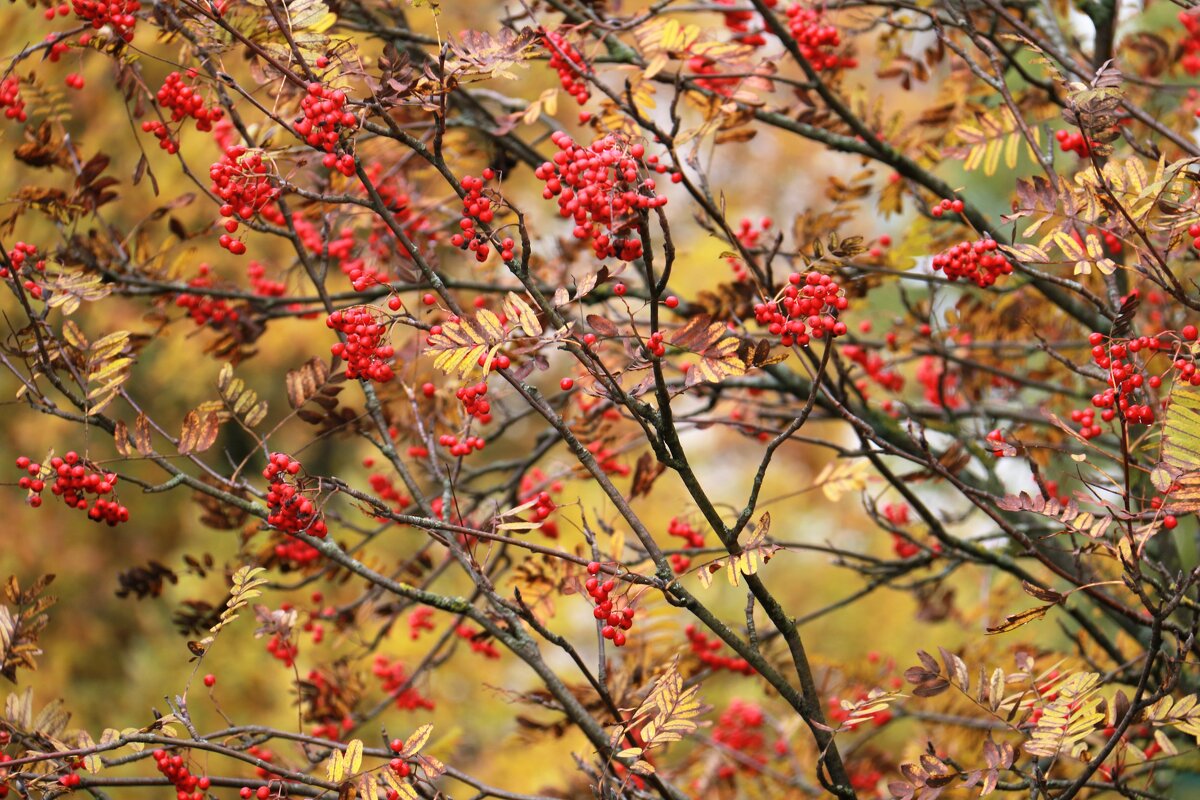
(563, 399)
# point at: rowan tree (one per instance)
(487, 387)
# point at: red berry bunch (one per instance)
(739, 22)
(807, 307)
(393, 677)
(70, 780)
(692, 538)
(421, 619)
(203, 309)
(941, 384)
(184, 101)
(947, 204)
(415, 224)
(10, 99)
(655, 344)
(478, 208)
(74, 81)
(740, 730)
(1127, 379)
(606, 457)
(118, 14)
(708, 651)
(617, 621)
(290, 510)
(478, 641)
(366, 357)
(1074, 142)
(817, 42)
(568, 63)
(543, 502)
(283, 649)
(875, 367)
(324, 122)
(978, 262)
(261, 284)
(187, 786)
(74, 480)
(385, 489)
(748, 236)
(293, 554)
(242, 182)
(474, 401)
(601, 188)
(460, 448)
(995, 440)
(24, 259)
(1190, 45)
(58, 43)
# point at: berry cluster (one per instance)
(394, 680)
(816, 41)
(606, 458)
(261, 284)
(739, 22)
(1127, 379)
(283, 649)
(61, 10)
(478, 208)
(543, 503)
(421, 619)
(977, 262)
(202, 308)
(10, 99)
(1074, 142)
(897, 516)
(415, 224)
(707, 651)
(366, 358)
(941, 383)
(655, 344)
(325, 120)
(21, 253)
(474, 401)
(117, 14)
(464, 447)
(875, 367)
(807, 307)
(184, 101)
(385, 489)
(568, 63)
(293, 554)
(290, 510)
(740, 730)
(1190, 45)
(617, 621)
(748, 236)
(692, 538)
(241, 180)
(601, 189)
(947, 204)
(187, 786)
(478, 641)
(58, 43)
(74, 81)
(73, 482)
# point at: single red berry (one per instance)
(566, 384)
(1189, 332)
(671, 302)
(210, 680)
(1169, 521)
(619, 290)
